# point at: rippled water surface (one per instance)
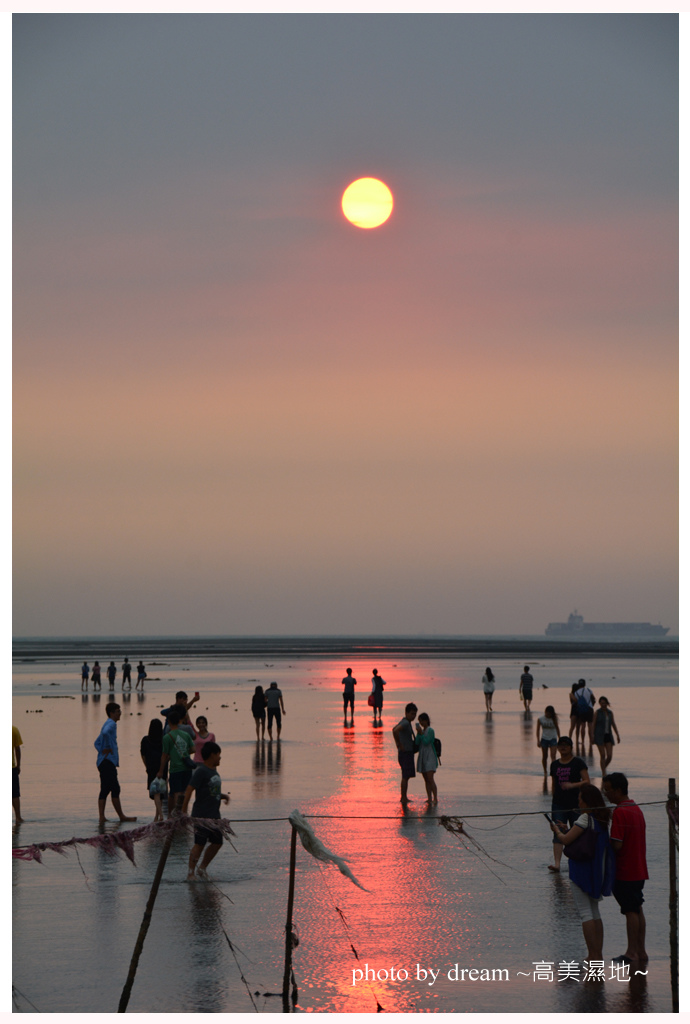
(431, 901)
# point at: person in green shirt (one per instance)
(177, 747)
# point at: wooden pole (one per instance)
(288, 926)
(124, 998)
(673, 891)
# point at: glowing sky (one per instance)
(235, 413)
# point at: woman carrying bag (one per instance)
(591, 864)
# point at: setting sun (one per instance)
(367, 202)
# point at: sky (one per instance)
(237, 413)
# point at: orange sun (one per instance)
(367, 202)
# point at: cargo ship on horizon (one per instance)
(576, 628)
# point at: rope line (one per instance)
(115, 842)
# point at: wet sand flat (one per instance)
(431, 901)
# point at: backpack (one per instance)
(583, 704)
(437, 748)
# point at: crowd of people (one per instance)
(606, 851)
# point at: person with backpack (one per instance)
(427, 759)
(584, 712)
(592, 867)
(177, 747)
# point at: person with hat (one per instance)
(568, 775)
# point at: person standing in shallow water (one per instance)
(377, 683)
(568, 775)
(489, 685)
(547, 725)
(85, 676)
(274, 705)
(427, 761)
(141, 675)
(112, 672)
(591, 879)
(107, 763)
(603, 728)
(526, 684)
(127, 674)
(205, 782)
(349, 683)
(259, 710)
(96, 675)
(405, 742)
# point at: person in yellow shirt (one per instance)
(16, 766)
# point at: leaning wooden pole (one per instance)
(672, 809)
(124, 998)
(288, 925)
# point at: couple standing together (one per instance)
(423, 743)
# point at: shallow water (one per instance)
(431, 902)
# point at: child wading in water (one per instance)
(206, 782)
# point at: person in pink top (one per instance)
(628, 838)
(201, 736)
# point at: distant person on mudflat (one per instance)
(584, 711)
(349, 683)
(403, 734)
(107, 763)
(205, 781)
(629, 840)
(568, 775)
(259, 710)
(111, 673)
(488, 685)
(603, 728)
(96, 675)
(525, 690)
(274, 705)
(151, 751)
(427, 761)
(548, 734)
(85, 676)
(16, 768)
(377, 685)
(177, 749)
(127, 674)
(201, 736)
(141, 675)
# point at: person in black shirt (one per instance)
(206, 782)
(568, 775)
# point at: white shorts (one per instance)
(587, 906)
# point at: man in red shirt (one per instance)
(628, 840)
